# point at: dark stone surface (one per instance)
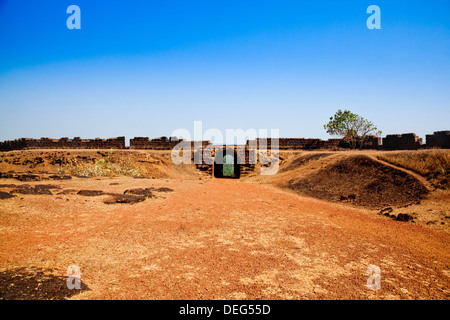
(6, 195)
(90, 193)
(124, 198)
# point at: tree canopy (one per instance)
(354, 128)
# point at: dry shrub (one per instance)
(433, 164)
(103, 168)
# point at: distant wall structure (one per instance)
(406, 141)
(439, 139)
(300, 143)
(162, 143)
(63, 143)
(372, 142)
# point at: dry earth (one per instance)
(214, 239)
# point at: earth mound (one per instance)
(361, 181)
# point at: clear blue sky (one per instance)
(146, 68)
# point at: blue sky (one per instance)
(146, 68)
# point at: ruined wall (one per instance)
(63, 143)
(302, 144)
(372, 142)
(439, 139)
(162, 143)
(334, 144)
(406, 141)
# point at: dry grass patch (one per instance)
(432, 164)
(105, 167)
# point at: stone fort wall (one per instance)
(407, 141)
(162, 143)
(312, 144)
(63, 143)
(439, 139)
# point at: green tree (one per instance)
(353, 127)
(228, 166)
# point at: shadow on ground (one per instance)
(35, 284)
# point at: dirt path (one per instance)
(220, 239)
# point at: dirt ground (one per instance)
(203, 238)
